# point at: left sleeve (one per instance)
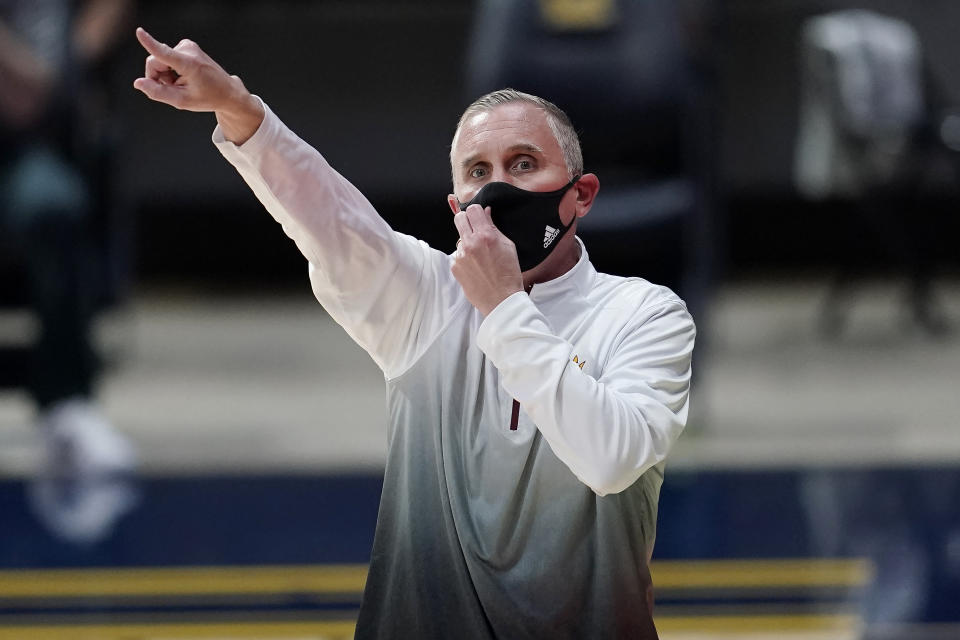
(607, 430)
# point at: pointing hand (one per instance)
(184, 76)
(187, 78)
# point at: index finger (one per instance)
(479, 217)
(162, 52)
(462, 224)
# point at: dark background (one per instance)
(377, 88)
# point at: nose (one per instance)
(501, 175)
(496, 175)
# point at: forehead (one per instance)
(489, 134)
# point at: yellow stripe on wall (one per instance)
(813, 572)
(756, 624)
(672, 574)
(222, 631)
(734, 626)
(183, 580)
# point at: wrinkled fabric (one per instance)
(486, 531)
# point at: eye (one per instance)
(477, 172)
(523, 165)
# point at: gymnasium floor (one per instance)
(815, 493)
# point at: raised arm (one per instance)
(389, 291)
(27, 80)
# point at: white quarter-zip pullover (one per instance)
(494, 522)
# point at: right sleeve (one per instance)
(391, 292)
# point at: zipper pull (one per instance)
(515, 416)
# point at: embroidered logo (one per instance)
(579, 362)
(549, 235)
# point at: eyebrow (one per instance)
(520, 146)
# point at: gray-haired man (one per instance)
(532, 400)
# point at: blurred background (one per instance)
(790, 167)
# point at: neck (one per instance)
(564, 258)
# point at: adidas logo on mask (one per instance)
(549, 236)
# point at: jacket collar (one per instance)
(577, 281)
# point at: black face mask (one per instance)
(531, 219)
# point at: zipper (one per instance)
(515, 416)
(515, 413)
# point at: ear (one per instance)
(454, 205)
(586, 189)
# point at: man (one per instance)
(51, 54)
(532, 400)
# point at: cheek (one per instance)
(467, 196)
(568, 207)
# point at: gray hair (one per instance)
(557, 120)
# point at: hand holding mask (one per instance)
(486, 260)
(531, 219)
